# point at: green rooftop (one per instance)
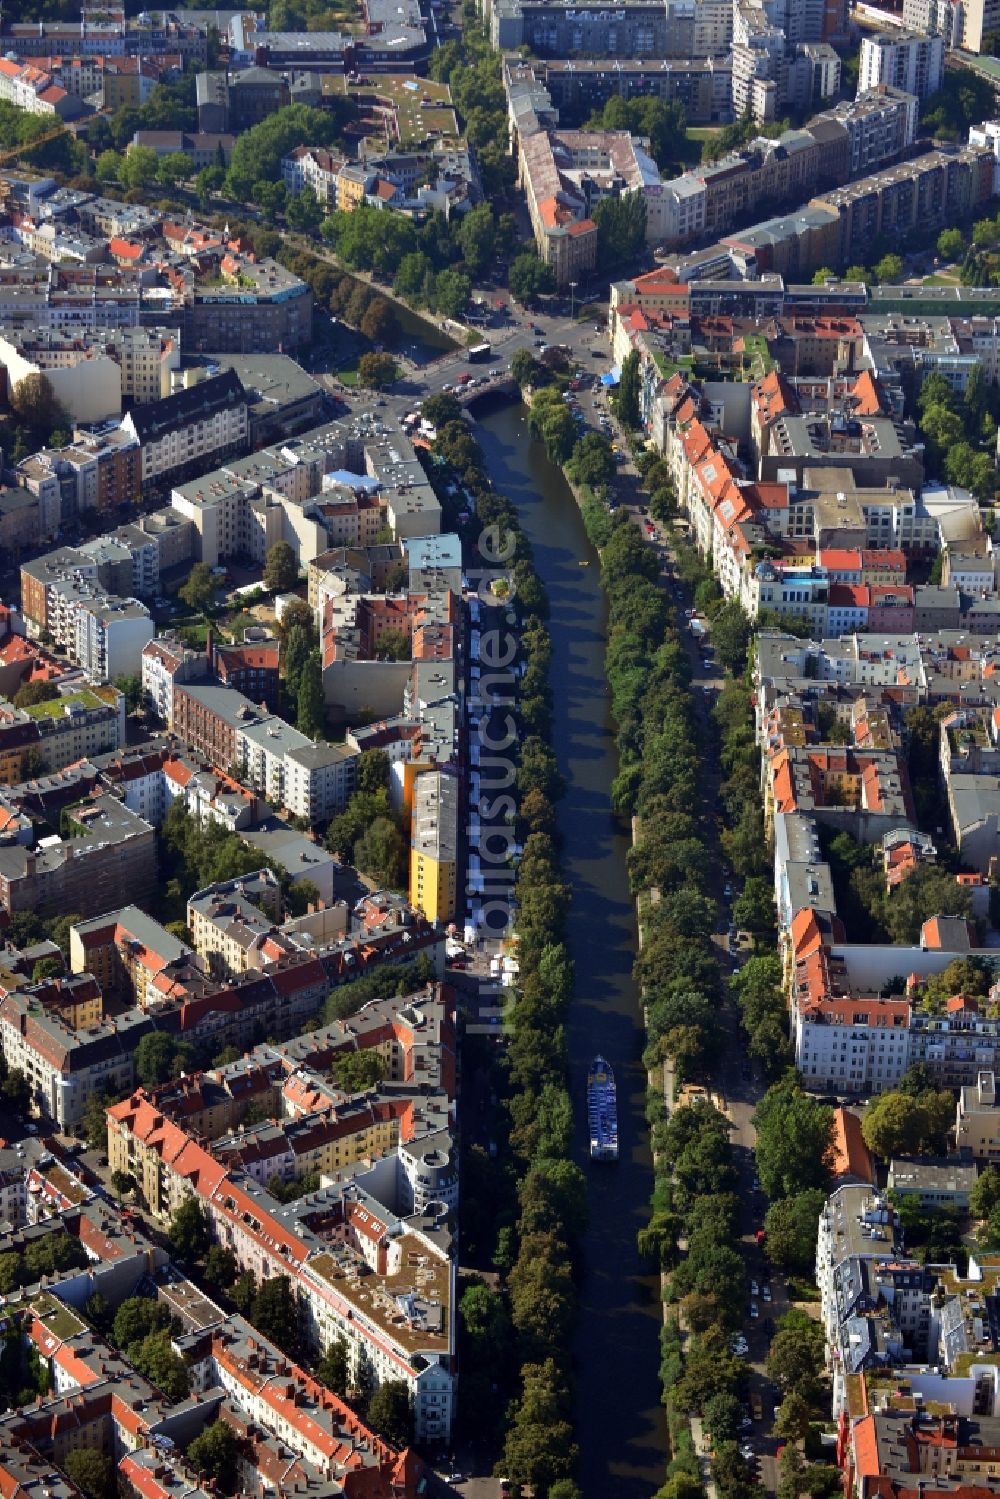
(54, 707)
(422, 107)
(57, 1316)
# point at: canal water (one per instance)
(621, 1426)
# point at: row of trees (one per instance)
(694, 1195)
(520, 1337)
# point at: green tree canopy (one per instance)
(791, 1226)
(92, 1472)
(390, 1413)
(137, 1317)
(626, 395)
(281, 568)
(794, 1135)
(529, 278)
(212, 1454)
(189, 1230)
(257, 153)
(155, 1358)
(275, 1313)
(198, 590)
(621, 229)
(377, 371)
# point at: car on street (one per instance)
(766, 1292)
(754, 1310)
(754, 1288)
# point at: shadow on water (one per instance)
(621, 1425)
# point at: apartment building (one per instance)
(110, 36)
(907, 60)
(314, 168)
(434, 845)
(313, 781)
(111, 850)
(61, 594)
(35, 91)
(85, 381)
(332, 1444)
(259, 307)
(679, 29)
(853, 139)
(576, 88)
(980, 22)
(96, 472)
(352, 1257)
(109, 638)
(165, 661)
(977, 1120)
(859, 1264)
(205, 423)
(64, 1067)
(936, 188)
(251, 668)
(126, 950)
(565, 174)
(230, 922)
(73, 726)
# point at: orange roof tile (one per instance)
(850, 1153)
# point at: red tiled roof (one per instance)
(850, 1153)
